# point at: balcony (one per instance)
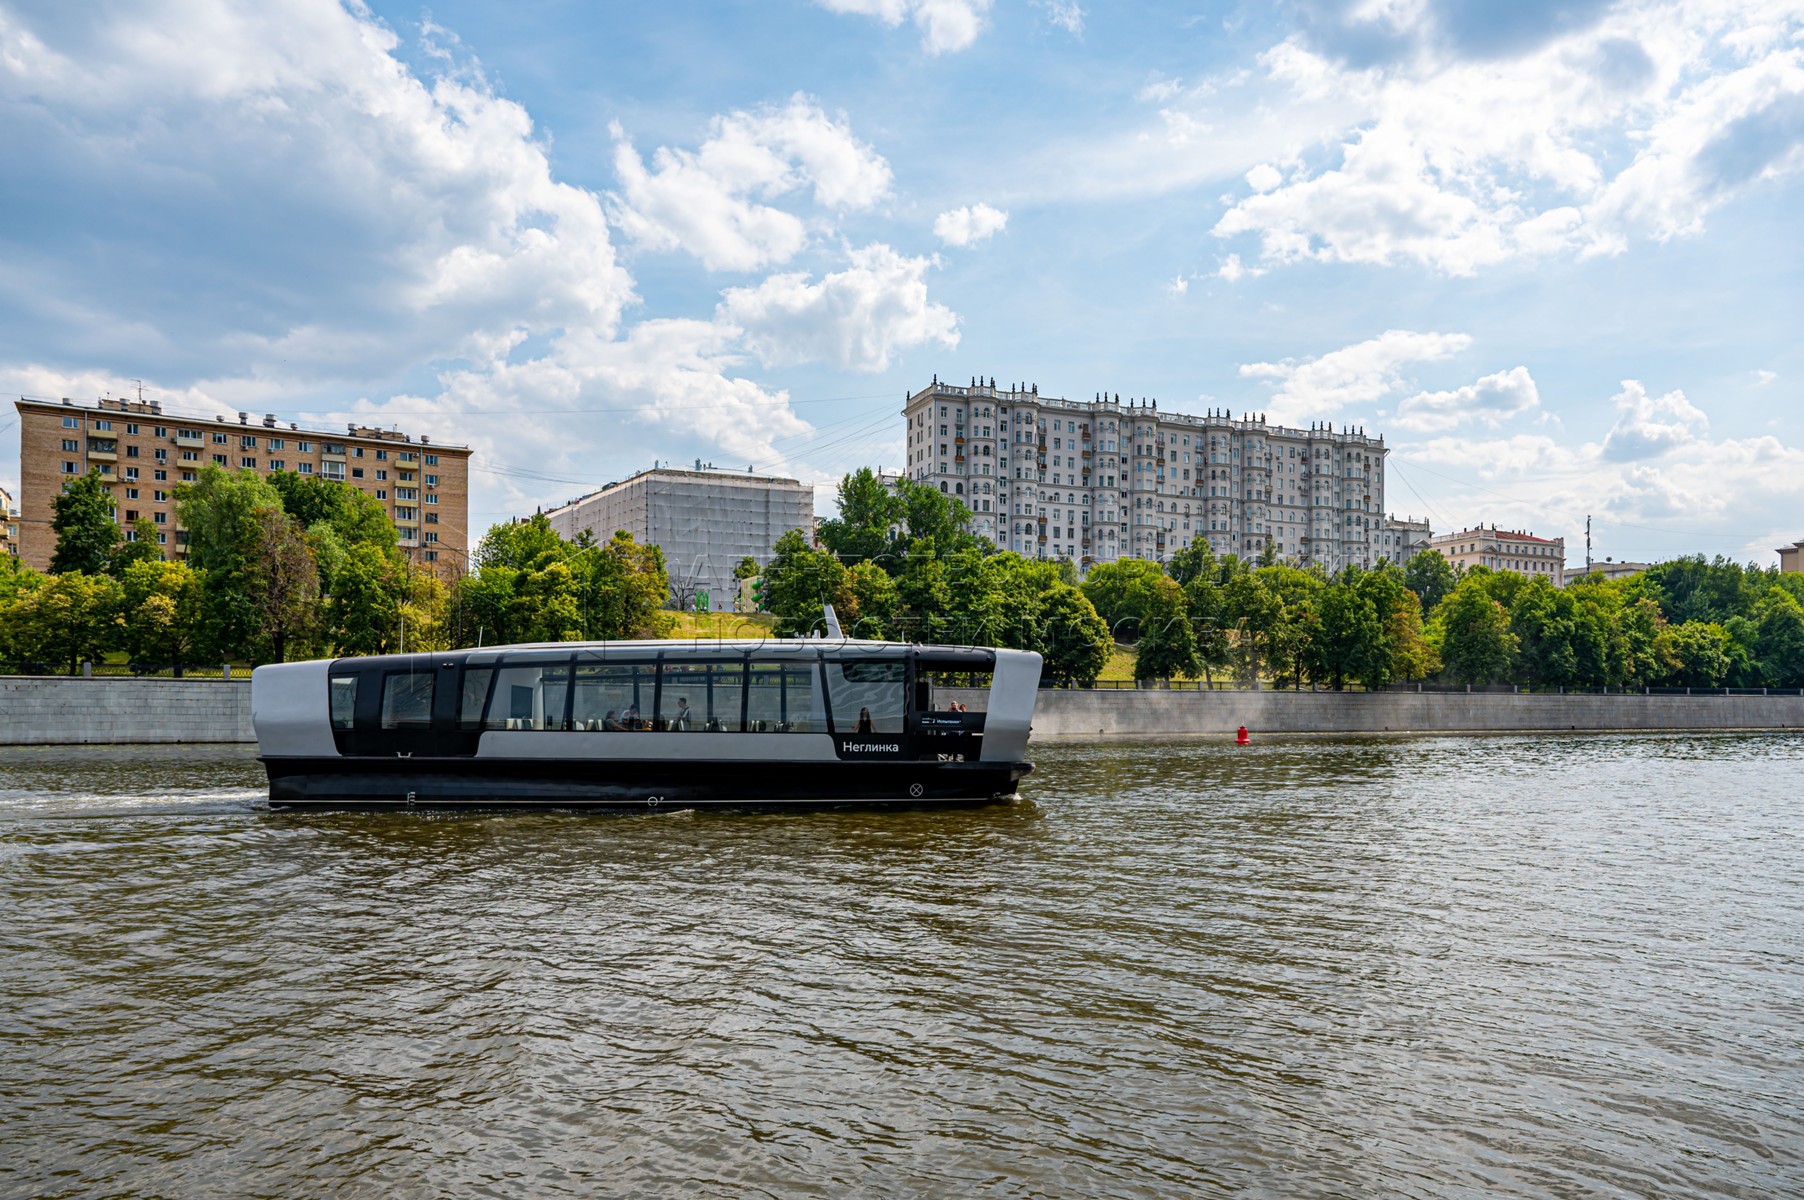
(98, 455)
(189, 437)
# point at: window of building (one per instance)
(306, 468)
(162, 431)
(160, 476)
(356, 472)
(431, 538)
(381, 456)
(71, 446)
(248, 463)
(432, 460)
(431, 498)
(356, 451)
(160, 497)
(68, 468)
(71, 422)
(187, 476)
(101, 424)
(381, 493)
(432, 556)
(304, 447)
(277, 464)
(278, 443)
(247, 442)
(220, 459)
(161, 455)
(131, 494)
(432, 518)
(382, 474)
(219, 439)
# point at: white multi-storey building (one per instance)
(1505, 550)
(1103, 480)
(1401, 538)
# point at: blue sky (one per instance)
(1552, 251)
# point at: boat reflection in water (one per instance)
(636, 724)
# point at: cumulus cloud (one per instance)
(856, 318)
(945, 25)
(712, 201)
(1360, 374)
(280, 213)
(1635, 122)
(1491, 400)
(1650, 425)
(969, 224)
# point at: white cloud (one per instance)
(708, 202)
(1364, 373)
(1066, 14)
(1491, 400)
(1232, 270)
(1264, 177)
(1764, 377)
(1648, 425)
(423, 230)
(1159, 91)
(1178, 286)
(857, 318)
(969, 224)
(1637, 124)
(945, 25)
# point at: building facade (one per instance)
(142, 453)
(1101, 480)
(1791, 558)
(706, 521)
(1505, 550)
(1401, 538)
(1609, 568)
(9, 525)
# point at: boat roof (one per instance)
(525, 652)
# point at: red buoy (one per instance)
(1241, 738)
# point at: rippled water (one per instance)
(1435, 967)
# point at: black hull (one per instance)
(627, 785)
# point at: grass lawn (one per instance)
(721, 625)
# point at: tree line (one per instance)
(289, 566)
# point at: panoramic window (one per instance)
(475, 693)
(701, 697)
(784, 698)
(868, 696)
(613, 697)
(407, 700)
(528, 696)
(344, 700)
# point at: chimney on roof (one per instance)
(269, 420)
(424, 440)
(244, 418)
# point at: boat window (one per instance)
(344, 701)
(701, 697)
(873, 689)
(529, 696)
(784, 698)
(475, 693)
(407, 700)
(613, 696)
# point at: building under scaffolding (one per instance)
(706, 521)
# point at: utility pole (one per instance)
(1587, 543)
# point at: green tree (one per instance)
(1121, 591)
(281, 579)
(869, 512)
(748, 568)
(1205, 601)
(363, 615)
(800, 581)
(87, 537)
(1167, 644)
(1429, 576)
(164, 611)
(1193, 562)
(1076, 642)
(1694, 654)
(878, 601)
(71, 618)
(1473, 633)
(1779, 639)
(1252, 609)
(142, 548)
(930, 515)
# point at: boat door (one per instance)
(404, 707)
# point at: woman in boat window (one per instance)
(864, 721)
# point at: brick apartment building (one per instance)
(143, 452)
(1505, 550)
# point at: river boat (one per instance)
(662, 725)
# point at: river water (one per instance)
(1430, 967)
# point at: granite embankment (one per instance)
(48, 711)
(54, 710)
(1106, 713)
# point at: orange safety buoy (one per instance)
(1241, 738)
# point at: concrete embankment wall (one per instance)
(46, 711)
(1078, 714)
(49, 711)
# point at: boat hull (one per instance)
(625, 785)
